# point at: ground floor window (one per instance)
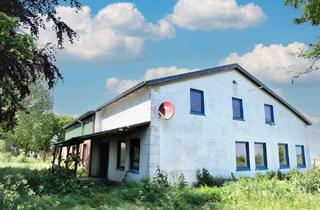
(283, 155)
(301, 161)
(260, 156)
(242, 156)
(135, 154)
(121, 155)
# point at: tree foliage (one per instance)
(310, 14)
(22, 62)
(37, 127)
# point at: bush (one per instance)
(81, 172)
(204, 178)
(309, 181)
(22, 159)
(157, 189)
(13, 191)
(196, 198)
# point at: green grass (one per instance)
(28, 184)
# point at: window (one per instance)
(283, 155)
(269, 117)
(260, 156)
(237, 109)
(196, 102)
(135, 154)
(121, 156)
(301, 161)
(242, 156)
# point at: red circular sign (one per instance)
(166, 110)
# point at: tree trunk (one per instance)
(26, 150)
(44, 156)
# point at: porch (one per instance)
(115, 154)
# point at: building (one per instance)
(225, 120)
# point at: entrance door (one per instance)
(104, 159)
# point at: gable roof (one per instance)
(193, 74)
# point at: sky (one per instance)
(123, 42)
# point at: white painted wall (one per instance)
(115, 174)
(130, 110)
(189, 142)
(315, 148)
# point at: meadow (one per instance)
(27, 183)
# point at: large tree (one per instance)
(310, 14)
(37, 127)
(22, 61)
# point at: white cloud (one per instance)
(215, 14)
(154, 73)
(118, 29)
(119, 86)
(274, 63)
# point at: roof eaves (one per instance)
(134, 88)
(83, 116)
(80, 139)
(190, 74)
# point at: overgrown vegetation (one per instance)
(26, 184)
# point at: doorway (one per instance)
(104, 159)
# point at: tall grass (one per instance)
(30, 185)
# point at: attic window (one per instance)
(237, 109)
(269, 116)
(196, 102)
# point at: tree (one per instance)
(37, 127)
(31, 132)
(22, 62)
(310, 14)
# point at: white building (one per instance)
(225, 120)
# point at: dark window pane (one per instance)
(237, 108)
(260, 156)
(241, 155)
(268, 110)
(121, 155)
(283, 155)
(300, 156)
(196, 101)
(135, 154)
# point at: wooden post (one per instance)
(59, 158)
(54, 157)
(76, 161)
(67, 159)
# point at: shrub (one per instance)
(13, 191)
(81, 172)
(22, 159)
(309, 181)
(204, 178)
(196, 198)
(180, 183)
(157, 189)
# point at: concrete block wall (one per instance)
(189, 142)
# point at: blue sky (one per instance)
(184, 42)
